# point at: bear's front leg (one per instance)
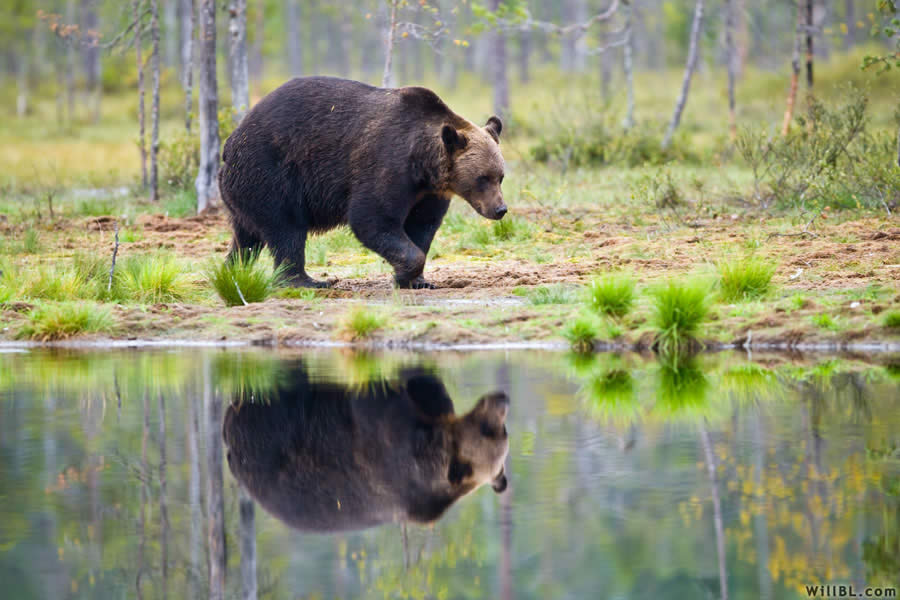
(389, 240)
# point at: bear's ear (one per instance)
(494, 126)
(429, 395)
(458, 471)
(453, 141)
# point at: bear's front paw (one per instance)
(418, 283)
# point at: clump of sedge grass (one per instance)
(679, 308)
(825, 321)
(745, 279)
(510, 228)
(581, 334)
(612, 294)
(152, 279)
(64, 320)
(362, 323)
(892, 319)
(244, 279)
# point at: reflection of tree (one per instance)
(215, 488)
(717, 511)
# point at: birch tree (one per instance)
(207, 185)
(215, 486)
(138, 51)
(795, 76)
(240, 77)
(690, 67)
(731, 63)
(187, 58)
(501, 81)
(154, 109)
(628, 66)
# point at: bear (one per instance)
(325, 457)
(321, 152)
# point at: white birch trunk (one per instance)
(215, 486)
(240, 75)
(207, 185)
(188, 21)
(386, 77)
(628, 67)
(690, 67)
(501, 80)
(154, 108)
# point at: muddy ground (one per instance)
(847, 269)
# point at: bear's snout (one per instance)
(500, 211)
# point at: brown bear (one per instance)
(319, 152)
(326, 457)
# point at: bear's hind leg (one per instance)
(288, 247)
(243, 241)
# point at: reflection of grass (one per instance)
(611, 395)
(744, 279)
(749, 381)
(681, 389)
(248, 376)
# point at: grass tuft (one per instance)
(547, 294)
(892, 319)
(152, 279)
(745, 279)
(64, 320)
(679, 308)
(362, 323)
(612, 294)
(245, 279)
(581, 334)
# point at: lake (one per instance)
(715, 477)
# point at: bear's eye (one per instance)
(487, 430)
(483, 181)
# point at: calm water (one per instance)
(624, 478)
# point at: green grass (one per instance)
(245, 279)
(153, 279)
(548, 294)
(679, 309)
(745, 279)
(181, 203)
(612, 294)
(825, 321)
(362, 323)
(581, 334)
(31, 242)
(892, 319)
(65, 319)
(510, 229)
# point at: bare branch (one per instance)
(575, 29)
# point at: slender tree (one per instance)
(207, 175)
(795, 75)
(215, 487)
(154, 108)
(690, 67)
(163, 499)
(389, 43)
(731, 63)
(294, 43)
(498, 59)
(187, 58)
(136, 9)
(91, 53)
(240, 77)
(628, 65)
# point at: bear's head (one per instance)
(476, 166)
(480, 445)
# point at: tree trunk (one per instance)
(187, 59)
(207, 175)
(154, 109)
(386, 77)
(628, 67)
(170, 20)
(501, 82)
(525, 56)
(248, 545)
(240, 77)
(690, 67)
(809, 54)
(138, 52)
(163, 506)
(70, 65)
(215, 487)
(731, 60)
(795, 76)
(22, 82)
(850, 19)
(717, 512)
(898, 146)
(294, 43)
(142, 515)
(89, 23)
(196, 527)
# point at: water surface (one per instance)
(625, 478)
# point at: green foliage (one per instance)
(745, 279)
(511, 229)
(179, 154)
(892, 319)
(612, 294)
(888, 8)
(362, 323)
(581, 333)
(31, 242)
(825, 321)
(65, 319)
(679, 308)
(152, 279)
(548, 294)
(244, 279)
(829, 159)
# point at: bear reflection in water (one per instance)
(328, 457)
